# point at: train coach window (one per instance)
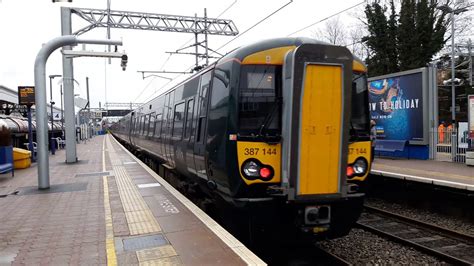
(136, 125)
(258, 99)
(145, 124)
(158, 123)
(151, 129)
(178, 120)
(189, 119)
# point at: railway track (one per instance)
(448, 245)
(333, 259)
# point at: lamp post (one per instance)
(452, 12)
(51, 77)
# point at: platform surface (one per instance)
(107, 209)
(448, 174)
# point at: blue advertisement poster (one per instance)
(396, 105)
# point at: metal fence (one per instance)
(450, 145)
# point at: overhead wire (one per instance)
(254, 25)
(222, 13)
(245, 31)
(326, 18)
(182, 46)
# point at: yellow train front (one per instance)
(278, 129)
(300, 134)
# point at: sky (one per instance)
(27, 24)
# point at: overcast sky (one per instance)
(26, 24)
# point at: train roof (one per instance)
(243, 51)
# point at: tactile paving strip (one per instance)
(140, 219)
(244, 253)
(164, 255)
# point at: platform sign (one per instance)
(26, 95)
(470, 111)
(398, 105)
(57, 116)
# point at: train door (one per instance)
(201, 124)
(177, 135)
(189, 136)
(166, 131)
(316, 93)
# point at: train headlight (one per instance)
(251, 169)
(360, 166)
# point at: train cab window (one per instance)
(259, 105)
(178, 120)
(360, 123)
(159, 119)
(189, 119)
(151, 129)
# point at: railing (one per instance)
(450, 144)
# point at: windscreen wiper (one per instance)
(269, 116)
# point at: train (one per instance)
(280, 127)
(17, 125)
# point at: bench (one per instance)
(7, 167)
(391, 148)
(6, 160)
(390, 145)
(35, 146)
(61, 143)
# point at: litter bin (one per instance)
(21, 158)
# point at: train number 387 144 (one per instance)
(357, 151)
(260, 151)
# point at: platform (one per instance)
(109, 208)
(448, 174)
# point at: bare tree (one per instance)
(355, 44)
(333, 32)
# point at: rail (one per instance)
(448, 245)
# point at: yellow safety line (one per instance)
(109, 228)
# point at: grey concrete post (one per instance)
(68, 83)
(40, 100)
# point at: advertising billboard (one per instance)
(397, 105)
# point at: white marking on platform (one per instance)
(149, 185)
(168, 206)
(129, 162)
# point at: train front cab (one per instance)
(315, 165)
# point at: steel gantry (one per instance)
(126, 20)
(148, 21)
